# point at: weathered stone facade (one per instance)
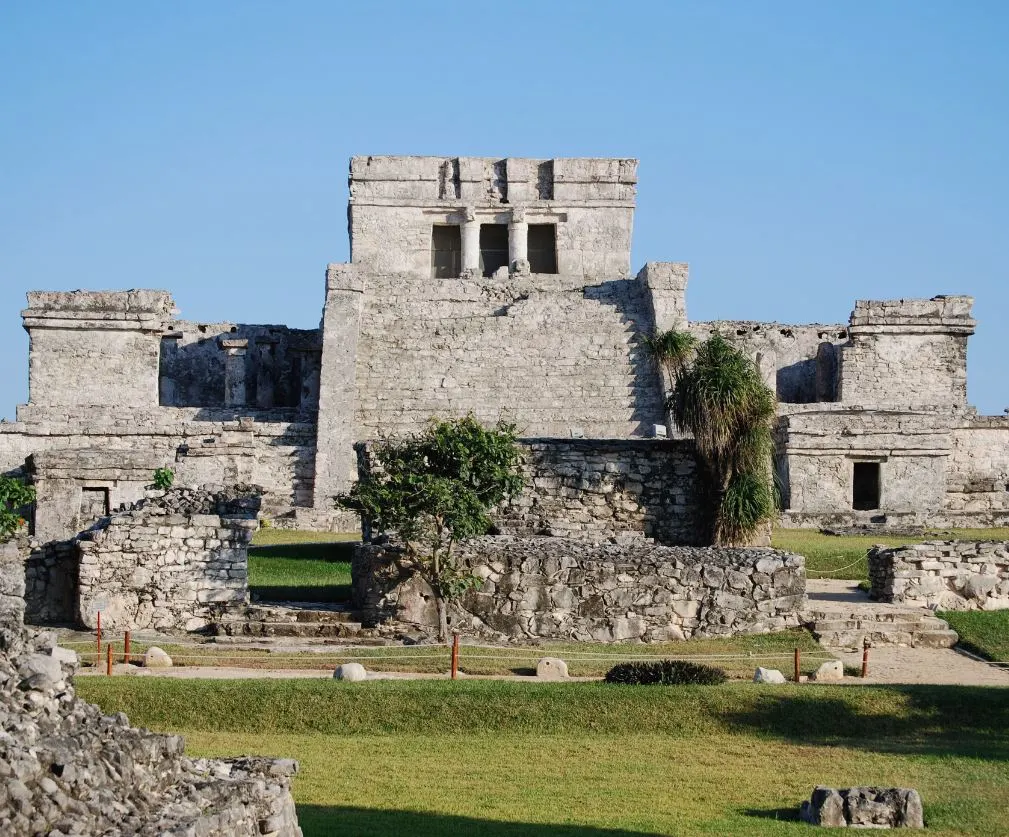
(501, 287)
(69, 769)
(557, 588)
(174, 562)
(947, 575)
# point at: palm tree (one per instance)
(718, 396)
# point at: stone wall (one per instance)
(51, 583)
(69, 769)
(606, 489)
(555, 588)
(171, 564)
(949, 575)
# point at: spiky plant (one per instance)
(719, 397)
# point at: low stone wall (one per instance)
(73, 770)
(599, 489)
(556, 588)
(950, 575)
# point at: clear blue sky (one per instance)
(798, 155)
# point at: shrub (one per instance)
(163, 478)
(14, 496)
(665, 673)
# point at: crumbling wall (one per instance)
(555, 588)
(170, 564)
(948, 575)
(606, 489)
(73, 770)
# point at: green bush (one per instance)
(163, 478)
(665, 673)
(14, 497)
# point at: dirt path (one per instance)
(894, 664)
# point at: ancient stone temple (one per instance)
(501, 287)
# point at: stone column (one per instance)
(234, 372)
(335, 459)
(518, 241)
(311, 364)
(470, 242)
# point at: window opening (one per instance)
(542, 248)
(446, 251)
(493, 248)
(865, 486)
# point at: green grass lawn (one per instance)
(289, 565)
(843, 556)
(986, 633)
(502, 759)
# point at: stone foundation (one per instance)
(949, 575)
(555, 588)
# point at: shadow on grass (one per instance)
(778, 814)
(970, 721)
(323, 820)
(323, 593)
(336, 551)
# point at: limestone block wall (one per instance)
(606, 489)
(152, 568)
(554, 355)
(907, 352)
(950, 575)
(798, 362)
(50, 572)
(556, 588)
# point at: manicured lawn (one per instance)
(738, 656)
(288, 565)
(843, 556)
(986, 633)
(573, 760)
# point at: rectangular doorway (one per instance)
(493, 248)
(865, 486)
(446, 251)
(542, 248)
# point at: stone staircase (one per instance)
(304, 620)
(840, 615)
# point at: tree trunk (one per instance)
(442, 618)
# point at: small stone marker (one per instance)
(830, 670)
(551, 668)
(863, 808)
(352, 672)
(155, 657)
(768, 675)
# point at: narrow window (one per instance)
(865, 486)
(446, 251)
(493, 248)
(543, 248)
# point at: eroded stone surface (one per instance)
(866, 807)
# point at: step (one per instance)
(911, 639)
(306, 620)
(925, 623)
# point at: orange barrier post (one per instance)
(126, 648)
(99, 647)
(455, 656)
(796, 665)
(108, 658)
(865, 657)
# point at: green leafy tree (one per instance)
(14, 497)
(437, 488)
(718, 396)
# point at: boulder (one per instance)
(155, 657)
(40, 672)
(768, 675)
(65, 655)
(830, 670)
(867, 807)
(551, 668)
(352, 672)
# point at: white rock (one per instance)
(155, 657)
(352, 672)
(830, 670)
(551, 668)
(41, 671)
(64, 655)
(768, 675)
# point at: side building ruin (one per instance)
(501, 287)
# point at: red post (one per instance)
(99, 647)
(865, 657)
(126, 648)
(796, 665)
(108, 658)
(455, 656)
